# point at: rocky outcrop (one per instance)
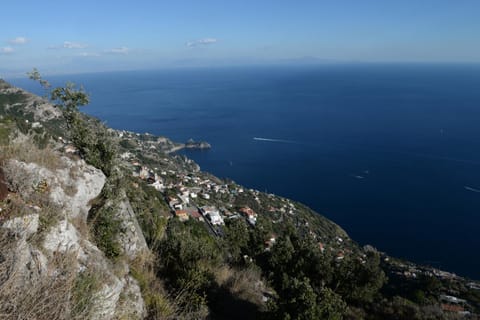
(62, 238)
(71, 187)
(39, 109)
(192, 144)
(131, 238)
(23, 227)
(130, 304)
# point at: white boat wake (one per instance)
(357, 176)
(275, 140)
(471, 189)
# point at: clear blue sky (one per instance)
(80, 36)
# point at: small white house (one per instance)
(158, 186)
(215, 218)
(212, 214)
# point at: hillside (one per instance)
(99, 223)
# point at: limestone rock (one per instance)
(62, 238)
(107, 298)
(23, 226)
(75, 190)
(131, 238)
(72, 186)
(131, 304)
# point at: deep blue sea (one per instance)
(389, 152)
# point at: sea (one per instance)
(390, 152)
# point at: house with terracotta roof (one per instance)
(197, 215)
(249, 214)
(452, 308)
(182, 215)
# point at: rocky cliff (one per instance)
(52, 225)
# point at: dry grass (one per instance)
(51, 294)
(82, 226)
(159, 304)
(49, 213)
(27, 151)
(245, 283)
(28, 190)
(19, 179)
(14, 206)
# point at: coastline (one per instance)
(190, 144)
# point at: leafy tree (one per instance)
(189, 256)
(299, 273)
(330, 305)
(236, 239)
(357, 281)
(68, 98)
(90, 137)
(299, 301)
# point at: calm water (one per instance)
(385, 151)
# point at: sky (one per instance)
(103, 35)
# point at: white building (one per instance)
(158, 186)
(212, 214)
(215, 218)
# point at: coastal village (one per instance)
(193, 194)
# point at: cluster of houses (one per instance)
(191, 195)
(412, 271)
(147, 141)
(449, 303)
(185, 189)
(454, 304)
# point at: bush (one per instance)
(86, 284)
(95, 144)
(159, 306)
(5, 131)
(150, 210)
(19, 179)
(105, 228)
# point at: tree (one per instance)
(357, 281)
(236, 239)
(90, 136)
(68, 98)
(189, 255)
(300, 301)
(330, 305)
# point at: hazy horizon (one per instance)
(67, 38)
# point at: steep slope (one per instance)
(154, 237)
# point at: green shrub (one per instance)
(95, 144)
(105, 228)
(86, 284)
